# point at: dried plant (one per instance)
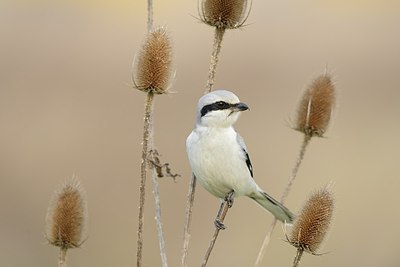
(316, 106)
(152, 76)
(66, 218)
(227, 14)
(313, 117)
(153, 66)
(221, 14)
(188, 220)
(311, 226)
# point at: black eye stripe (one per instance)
(219, 105)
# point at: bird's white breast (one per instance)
(218, 161)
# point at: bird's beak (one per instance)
(239, 107)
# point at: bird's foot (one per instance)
(219, 225)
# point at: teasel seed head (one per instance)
(226, 14)
(316, 107)
(66, 218)
(312, 223)
(152, 70)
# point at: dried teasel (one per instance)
(66, 218)
(153, 63)
(312, 223)
(226, 14)
(316, 107)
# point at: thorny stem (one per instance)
(298, 257)
(149, 15)
(295, 170)
(218, 36)
(62, 258)
(223, 210)
(293, 175)
(143, 173)
(188, 220)
(157, 201)
(265, 244)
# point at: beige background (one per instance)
(66, 105)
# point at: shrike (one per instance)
(218, 155)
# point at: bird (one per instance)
(218, 155)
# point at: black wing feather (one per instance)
(243, 146)
(248, 163)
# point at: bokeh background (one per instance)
(67, 106)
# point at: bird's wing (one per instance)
(243, 146)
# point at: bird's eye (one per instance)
(221, 104)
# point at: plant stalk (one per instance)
(223, 210)
(298, 257)
(143, 173)
(306, 141)
(160, 232)
(62, 258)
(218, 36)
(188, 220)
(149, 15)
(289, 185)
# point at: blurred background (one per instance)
(67, 106)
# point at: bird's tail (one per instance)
(280, 212)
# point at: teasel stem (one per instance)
(62, 257)
(223, 210)
(298, 257)
(306, 141)
(160, 231)
(188, 220)
(218, 37)
(295, 170)
(143, 172)
(149, 15)
(157, 202)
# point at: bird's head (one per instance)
(219, 108)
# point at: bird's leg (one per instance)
(225, 205)
(229, 198)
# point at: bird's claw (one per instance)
(219, 225)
